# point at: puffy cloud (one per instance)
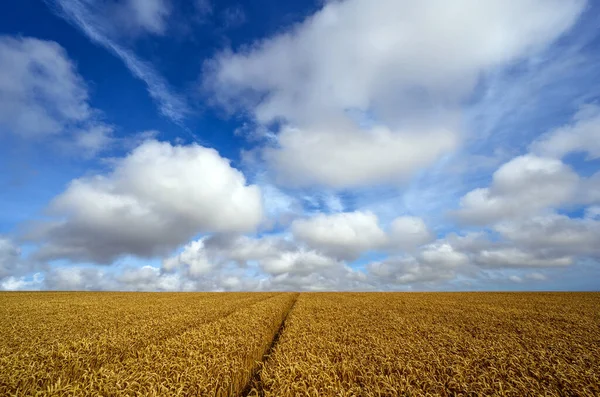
(469, 242)
(408, 232)
(145, 278)
(244, 249)
(391, 45)
(396, 108)
(16, 270)
(10, 258)
(534, 183)
(523, 186)
(314, 259)
(593, 212)
(23, 283)
(280, 207)
(433, 263)
(589, 192)
(149, 278)
(193, 259)
(542, 242)
(347, 235)
(333, 279)
(443, 254)
(278, 264)
(554, 233)
(274, 254)
(514, 257)
(298, 262)
(548, 240)
(200, 258)
(579, 136)
(155, 199)
(224, 262)
(408, 271)
(344, 235)
(351, 157)
(41, 94)
(78, 279)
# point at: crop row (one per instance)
(35, 321)
(218, 359)
(331, 344)
(114, 331)
(437, 344)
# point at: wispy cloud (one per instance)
(44, 99)
(81, 14)
(233, 17)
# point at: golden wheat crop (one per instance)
(33, 321)
(52, 342)
(330, 344)
(509, 344)
(217, 359)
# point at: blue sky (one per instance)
(327, 145)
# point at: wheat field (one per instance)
(308, 344)
(510, 344)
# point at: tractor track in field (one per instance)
(254, 386)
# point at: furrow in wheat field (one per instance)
(442, 344)
(332, 344)
(152, 318)
(217, 359)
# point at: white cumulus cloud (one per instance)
(408, 232)
(554, 233)
(10, 258)
(523, 186)
(344, 235)
(281, 264)
(347, 157)
(155, 199)
(347, 235)
(400, 67)
(582, 135)
(515, 257)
